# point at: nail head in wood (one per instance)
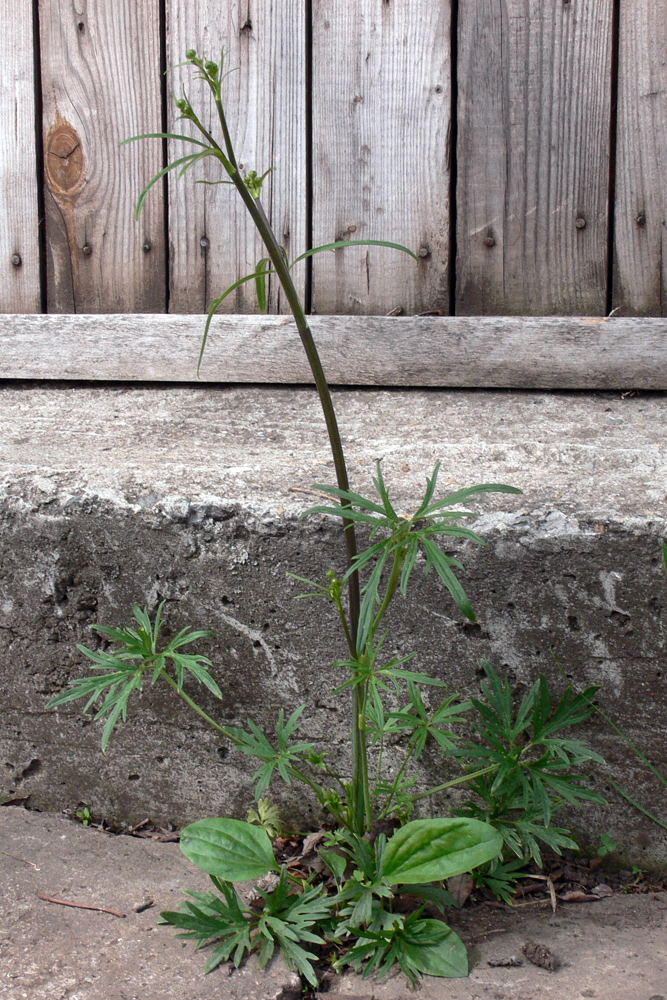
(16, 260)
(86, 249)
(147, 247)
(490, 241)
(424, 252)
(580, 222)
(203, 243)
(641, 219)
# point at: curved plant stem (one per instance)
(256, 211)
(200, 711)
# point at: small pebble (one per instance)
(146, 905)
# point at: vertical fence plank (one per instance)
(640, 265)
(19, 241)
(381, 118)
(533, 156)
(101, 84)
(213, 241)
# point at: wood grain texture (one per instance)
(381, 118)
(264, 99)
(101, 84)
(19, 281)
(640, 263)
(533, 156)
(509, 352)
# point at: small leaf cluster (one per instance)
(534, 765)
(284, 760)
(287, 920)
(120, 671)
(402, 538)
(267, 817)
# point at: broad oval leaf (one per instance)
(229, 848)
(427, 850)
(447, 958)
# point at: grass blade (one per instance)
(154, 180)
(216, 305)
(353, 243)
(164, 135)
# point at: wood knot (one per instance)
(64, 161)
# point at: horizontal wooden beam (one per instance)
(504, 352)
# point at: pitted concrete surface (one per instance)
(612, 949)
(573, 452)
(116, 495)
(49, 951)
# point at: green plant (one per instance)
(534, 773)
(266, 816)
(359, 920)
(607, 846)
(83, 815)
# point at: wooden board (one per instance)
(381, 119)
(101, 84)
(549, 353)
(19, 240)
(213, 240)
(640, 265)
(534, 82)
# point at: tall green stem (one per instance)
(254, 206)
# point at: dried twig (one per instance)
(485, 934)
(128, 833)
(313, 493)
(22, 860)
(80, 906)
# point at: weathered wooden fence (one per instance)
(519, 146)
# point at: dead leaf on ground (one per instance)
(460, 887)
(579, 896)
(312, 841)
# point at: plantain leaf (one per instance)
(427, 850)
(446, 957)
(228, 848)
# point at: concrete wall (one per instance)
(112, 496)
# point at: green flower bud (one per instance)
(211, 68)
(180, 104)
(191, 54)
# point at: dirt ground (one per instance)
(611, 949)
